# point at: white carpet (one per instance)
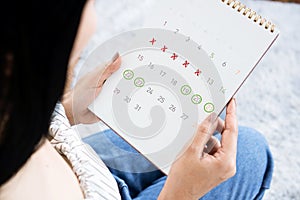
(269, 101)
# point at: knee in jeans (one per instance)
(250, 136)
(253, 147)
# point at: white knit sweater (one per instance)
(95, 179)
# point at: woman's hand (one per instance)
(77, 100)
(195, 173)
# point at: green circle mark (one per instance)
(128, 74)
(209, 107)
(186, 90)
(139, 82)
(196, 99)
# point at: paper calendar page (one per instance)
(182, 65)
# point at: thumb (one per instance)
(110, 68)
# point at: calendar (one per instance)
(172, 77)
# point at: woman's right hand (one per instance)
(88, 87)
(195, 173)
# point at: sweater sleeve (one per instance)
(95, 179)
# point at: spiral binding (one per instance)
(238, 6)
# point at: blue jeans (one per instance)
(138, 179)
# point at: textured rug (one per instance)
(269, 101)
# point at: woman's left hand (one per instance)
(77, 100)
(196, 172)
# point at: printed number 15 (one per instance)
(140, 57)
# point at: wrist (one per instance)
(67, 104)
(172, 191)
(175, 195)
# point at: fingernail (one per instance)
(115, 57)
(234, 99)
(212, 117)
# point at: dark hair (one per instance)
(35, 42)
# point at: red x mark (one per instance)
(174, 56)
(152, 41)
(197, 72)
(164, 48)
(186, 63)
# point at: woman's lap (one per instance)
(139, 179)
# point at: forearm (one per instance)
(171, 194)
(87, 28)
(175, 190)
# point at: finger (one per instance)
(230, 133)
(212, 145)
(114, 65)
(109, 69)
(221, 125)
(204, 132)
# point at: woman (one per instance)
(36, 41)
